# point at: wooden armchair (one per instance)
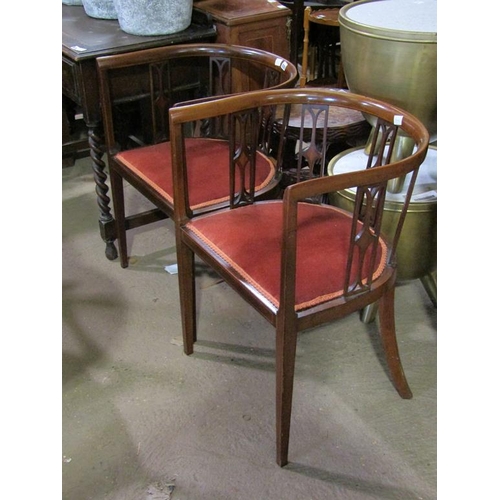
(297, 261)
(136, 122)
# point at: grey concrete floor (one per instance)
(142, 421)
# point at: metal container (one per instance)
(417, 248)
(389, 52)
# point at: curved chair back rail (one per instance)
(136, 127)
(298, 261)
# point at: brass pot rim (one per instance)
(415, 206)
(380, 32)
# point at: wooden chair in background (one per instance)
(321, 62)
(136, 123)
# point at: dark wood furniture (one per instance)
(297, 261)
(139, 150)
(323, 67)
(252, 23)
(296, 31)
(83, 40)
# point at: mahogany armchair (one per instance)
(298, 261)
(136, 122)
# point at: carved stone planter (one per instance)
(154, 17)
(101, 9)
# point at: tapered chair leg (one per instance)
(286, 343)
(119, 209)
(187, 292)
(390, 345)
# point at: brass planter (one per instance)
(389, 52)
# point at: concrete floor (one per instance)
(142, 421)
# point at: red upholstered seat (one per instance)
(208, 161)
(252, 246)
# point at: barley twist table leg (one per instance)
(106, 220)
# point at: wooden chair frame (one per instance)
(169, 76)
(358, 292)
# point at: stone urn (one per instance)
(100, 9)
(154, 17)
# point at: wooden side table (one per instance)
(261, 24)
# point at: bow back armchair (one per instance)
(298, 261)
(136, 127)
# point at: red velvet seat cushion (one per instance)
(249, 239)
(208, 170)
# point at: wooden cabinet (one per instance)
(261, 24)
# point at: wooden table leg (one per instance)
(106, 220)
